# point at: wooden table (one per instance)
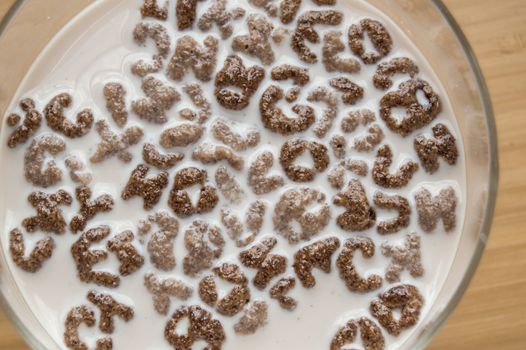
(492, 313)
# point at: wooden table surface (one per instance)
(492, 313)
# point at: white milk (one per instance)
(97, 47)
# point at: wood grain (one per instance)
(491, 314)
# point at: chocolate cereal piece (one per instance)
(370, 334)
(152, 156)
(253, 222)
(403, 257)
(352, 92)
(378, 35)
(393, 202)
(77, 170)
(257, 42)
(161, 244)
(164, 288)
(358, 215)
(268, 5)
(113, 144)
(77, 316)
(257, 175)
(417, 115)
(85, 258)
(189, 54)
(442, 145)
(299, 75)
(149, 188)
(37, 257)
(339, 146)
(293, 94)
(268, 265)
(109, 308)
(228, 185)
(274, 119)
(179, 199)
(246, 80)
(234, 301)
(279, 35)
(159, 35)
(89, 208)
(115, 96)
(207, 153)
(336, 175)
(322, 94)
(181, 135)
(371, 138)
(29, 127)
(279, 292)
(295, 148)
(332, 47)
(348, 272)
(159, 99)
(218, 14)
(49, 217)
(142, 68)
(129, 258)
(224, 131)
(255, 317)
(204, 244)
(196, 94)
(151, 8)
(382, 79)
(315, 255)
(201, 328)
(405, 297)
(35, 159)
(57, 121)
(292, 206)
(305, 31)
(288, 10)
(356, 118)
(381, 175)
(185, 11)
(431, 209)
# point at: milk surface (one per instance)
(98, 47)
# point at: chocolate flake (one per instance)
(37, 257)
(113, 144)
(431, 209)
(315, 255)
(381, 175)
(163, 289)
(204, 244)
(30, 125)
(35, 159)
(378, 35)
(442, 145)
(89, 208)
(257, 41)
(109, 308)
(358, 215)
(149, 188)
(49, 217)
(129, 258)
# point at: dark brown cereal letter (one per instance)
(253, 222)
(293, 149)
(246, 80)
(358, 215)
(49, 217)
(224, 131)
(190, 55)
(292, 206)
(76, 316)
(339, 146)
(207, 153)
(204, 244)
(315, 255)
(85, 258)
(299, 75)
(115, 96)
(163, 289)
(257, 41)
(381, 175)
(332, 46)
(442, 145)
(149, 188)
(322, 94)
(279, 292)
(35, 160)
(378, 35)
(393, 202)
(371, 335)
(161, 244)
(109, 308)
(268, 265)
(336, 175)
(385, 71)
(181, 135)
(152, 156)
(257, 174)
(268, 5)
(37, 257)
(218, 14)
(255, 317)
(159, 35)
(130, 259)
(179, 199)
(185, 11)
(113, 144)
(406, 257)
(196, 94)
(417, 115)
(159, 99)
(201, 327)
(57, 121)
(405, 297)
(348, 272)
(89, 208)
(352, 92)
(305, 31)
(228, 186)
(29, 127)
(431, 209)
(288, 10)
(151, 8)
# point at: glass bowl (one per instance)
(30, 24)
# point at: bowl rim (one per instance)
(489, 210)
